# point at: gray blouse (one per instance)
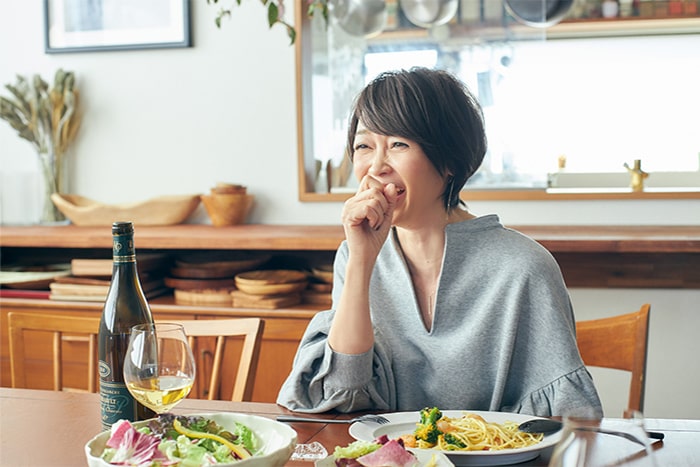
(503, 335)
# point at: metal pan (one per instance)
(363, 18)
(538, 13)
(429, 13)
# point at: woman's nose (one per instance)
(379, 164)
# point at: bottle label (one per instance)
(123, 249)
(116, 402)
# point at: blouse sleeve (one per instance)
(322, 379)
(571, 393)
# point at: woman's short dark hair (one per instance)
(432, 108)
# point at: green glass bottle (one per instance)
(125, 306)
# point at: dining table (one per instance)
(51, 428)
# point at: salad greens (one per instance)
(382, 451)
(356, 449)
(184, 441)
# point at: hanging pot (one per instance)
(364, 18)
(429, 13)
(539, 13)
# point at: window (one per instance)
(562, 115)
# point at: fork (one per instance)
(378, 419)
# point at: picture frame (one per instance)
(100, 25)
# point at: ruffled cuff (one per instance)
(571, 393)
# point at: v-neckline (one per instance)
(429, 323)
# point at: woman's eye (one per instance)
(399, 144)
(360, 146)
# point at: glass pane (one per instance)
(581, 105)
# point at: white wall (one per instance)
(178, 121)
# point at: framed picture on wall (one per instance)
(95, 25)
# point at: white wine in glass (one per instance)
(159, 367)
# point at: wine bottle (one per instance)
(125, 306)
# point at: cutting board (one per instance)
(271, 302)
(194, 284)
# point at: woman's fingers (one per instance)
(373, 203)
(368, 207)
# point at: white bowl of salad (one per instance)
(218, 439)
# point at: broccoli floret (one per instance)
(427, 429)
(452, 440)
(429, 416)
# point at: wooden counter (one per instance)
(590, 256)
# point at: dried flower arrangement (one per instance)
(48, 118)
(275, 13)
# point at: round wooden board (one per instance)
(195, 284)
(204, 297)
(270, 289)
(272, 276)
(236, 261)
(324, 274)
(192, 272)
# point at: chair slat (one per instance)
(250, 329)
(621, 343)
(62, 329)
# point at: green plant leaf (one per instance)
(272, 14)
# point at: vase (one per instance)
(53, 181)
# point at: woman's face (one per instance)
(401, 161)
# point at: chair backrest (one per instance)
(62, 328)
(251, 329)
(618, 342)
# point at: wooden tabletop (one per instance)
(42, 428)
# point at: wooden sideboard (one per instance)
(590, 256)
(283, 331)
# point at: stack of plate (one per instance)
(270, 289)
(320, 286)
(208, 278)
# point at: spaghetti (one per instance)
(470, 432)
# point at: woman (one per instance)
(433, 306)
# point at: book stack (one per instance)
(90, 278)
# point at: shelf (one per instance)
(181, 237)
(601, 27)
(456, 34)
(557, 238)
(589, 256)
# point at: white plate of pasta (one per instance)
(405, 423)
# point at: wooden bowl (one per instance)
(164, 210)
(229, 189)
(227, 209)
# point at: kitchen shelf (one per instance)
(614, 27)
(573, 28)
(590, 256)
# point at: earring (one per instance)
(449, 199)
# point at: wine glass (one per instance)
(159, 368)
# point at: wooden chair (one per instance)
(71, 328)
(618, 342)
(251, 329)
(63, 329)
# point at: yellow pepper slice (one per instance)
(238, 450)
